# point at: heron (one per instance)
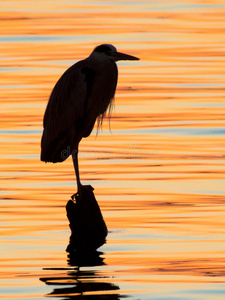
(82, 95)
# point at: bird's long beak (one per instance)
(122, 56)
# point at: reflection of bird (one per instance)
(82, 95)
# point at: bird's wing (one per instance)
(65, 108)
(66, 103)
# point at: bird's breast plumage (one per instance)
(103, 88)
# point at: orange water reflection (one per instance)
(158, 177)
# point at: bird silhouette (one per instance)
(82, 95)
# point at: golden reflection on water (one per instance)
(158, 177)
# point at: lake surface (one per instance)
(158, 177)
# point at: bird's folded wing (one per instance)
(67, 100)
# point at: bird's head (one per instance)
(109, 52)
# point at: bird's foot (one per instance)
(78, 194)
(73, 197)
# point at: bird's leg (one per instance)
(76, 167)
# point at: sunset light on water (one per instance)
(157, 169)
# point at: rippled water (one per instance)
(158, 177)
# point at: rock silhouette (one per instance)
(88, 228)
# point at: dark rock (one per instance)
(87, 225)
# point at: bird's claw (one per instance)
(78, 194)
(73, 197)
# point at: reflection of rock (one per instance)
(75, 283)
(81, 287)
(85, 259)
(86, 222)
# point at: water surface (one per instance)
(158, 177)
